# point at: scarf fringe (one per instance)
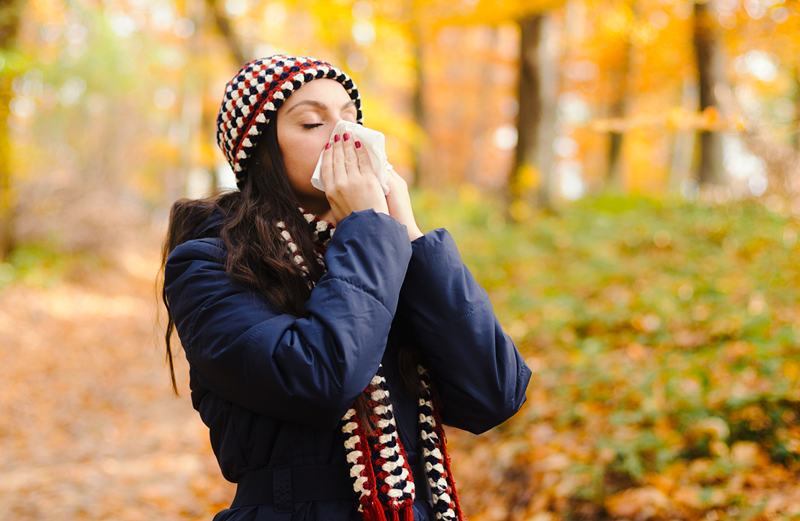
(373, 511)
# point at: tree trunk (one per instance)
(9, 25)
(527, 174)
(796, 126)
(228, 33)
(483, 120)
(191, 118)
(709, 166)
(684, 142)
(418, 108)
(549, 88)
(619, 83)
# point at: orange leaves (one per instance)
(91, 429)
(642, 503)
(444, 12)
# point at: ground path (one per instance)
(89, 428)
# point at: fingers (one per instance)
(364, 162)
(394, 178)
(396, 184)
(351, 162)
(351, 190)
(339, 168)
(326, 168)
(399, 204)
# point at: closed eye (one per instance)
(312, 125)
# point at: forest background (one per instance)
(621, 176)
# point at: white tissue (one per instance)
(372, 140)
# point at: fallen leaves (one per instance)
(90, 427)
(665, 383)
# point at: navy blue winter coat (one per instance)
(272, 387)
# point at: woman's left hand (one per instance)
(400, 204)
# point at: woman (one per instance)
(325, 363)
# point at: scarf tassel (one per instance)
(373, 510)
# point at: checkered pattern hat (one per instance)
(255, 94)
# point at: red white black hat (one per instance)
(256, 93)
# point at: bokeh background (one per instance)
(622, 176)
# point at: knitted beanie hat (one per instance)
(254, 95)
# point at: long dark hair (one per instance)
(257, 254)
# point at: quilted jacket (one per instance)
(272, 387)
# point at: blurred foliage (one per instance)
(665, 346)
(123, 94)
(42, 265)
(663, 334)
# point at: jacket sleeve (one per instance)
(306, 370)
(480, 375)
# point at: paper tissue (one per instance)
(372, 140)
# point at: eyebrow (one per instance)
(319, 105)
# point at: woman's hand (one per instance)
(350, 182)
(400, 204)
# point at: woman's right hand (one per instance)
(399, 203)
(350, 183)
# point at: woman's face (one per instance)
(305, 123)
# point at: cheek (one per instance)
(302, 140)
(301, 150)
(294, 147)
(313, 142)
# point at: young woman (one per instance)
(323, 363)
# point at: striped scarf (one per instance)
(378, 463)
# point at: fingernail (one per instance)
(327, 146)
(346, 136)
(358, 144)
(336, 138)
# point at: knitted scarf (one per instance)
(378, 464)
